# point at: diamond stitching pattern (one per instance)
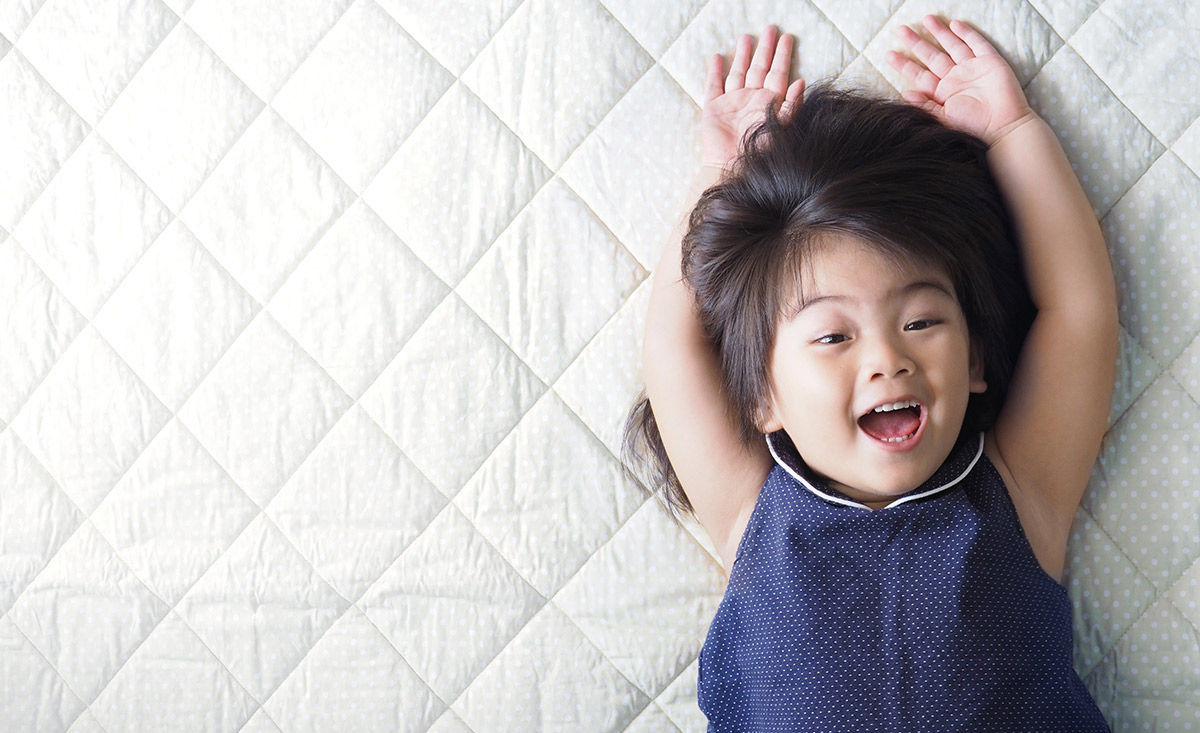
(295, 377)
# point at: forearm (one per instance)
(671, 317)
(703, 437)
(1066, 261)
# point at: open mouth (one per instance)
(894, 423)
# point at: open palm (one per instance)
(735, 104)
(967, 86)
(727, 118)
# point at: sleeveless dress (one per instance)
(929, 614)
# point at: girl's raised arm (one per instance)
(720, 475)
(1048, 432)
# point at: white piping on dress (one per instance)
(804, 482)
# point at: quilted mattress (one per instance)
(319, 319)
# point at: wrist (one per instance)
(716, 164)
(1025, 120)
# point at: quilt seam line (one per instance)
(1134, 337)
(172, 607)
(547, 600)
(600, 652)
(654, 62)
(284, 537)
(1170, 601)
(84, 705)
(1168, 370)
(654, 59)
(524, 623)
(449, 502)
(1193, 170)
(838, 29)
(457, 76)
(216, 163)
(58, 484)
(173, 214)
(652, 697)
(1154, 598)
(1092, 70)
(554, 174)
(454, 78)
(572, 386)
(683, 29)
(29, 22)
(262, 305)
(620, 243)
(88, 129)
(262, 510)
(350, 603)
(446, 506)
(1159, 370)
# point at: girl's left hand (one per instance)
(968, 86)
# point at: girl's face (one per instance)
(869, 334)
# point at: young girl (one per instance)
(853, 394)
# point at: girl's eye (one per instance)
(831, 338)
(921, 324)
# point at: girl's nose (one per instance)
(886, 359)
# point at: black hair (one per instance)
(880, 171)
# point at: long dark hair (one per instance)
(880, 171)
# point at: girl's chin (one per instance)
(895, 484)
(870, 493)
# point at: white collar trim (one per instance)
(839, 500)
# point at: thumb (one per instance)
(922, 100)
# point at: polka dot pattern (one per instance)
(930, 613)
(349, 293)
(1105, 163)
(1151, 234)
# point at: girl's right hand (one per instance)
(735, 104)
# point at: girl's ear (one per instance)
(768, 421)
(978, 384)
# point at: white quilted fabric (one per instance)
(318, 321)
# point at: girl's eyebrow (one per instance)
(921, 285)
(902, 291)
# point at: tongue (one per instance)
(892, 424)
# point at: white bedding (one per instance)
(318, 321)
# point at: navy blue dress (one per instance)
(929, 614)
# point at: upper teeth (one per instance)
(895, 406)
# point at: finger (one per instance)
(777, 79)
(978, 44)
(741, 60)
(791, 100)
(954, 45)
(713, 85)
(917, 75)
(930, 55)
(762, 57)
